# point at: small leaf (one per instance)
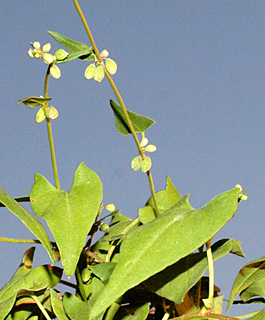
(146, 164)
(251, 273)
(28, 219)
(75, 308)
(136, 163)
(40, 116)
(69, 215)
(57, 306)
(111, 66)
(166, 198)
(140, 123)
(68, 43)
(174, 232)
(146, 214)
(33, 102)
(55, 71)
(90, 71)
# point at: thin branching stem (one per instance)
(44, 312)
(49, 129)
(116, 91)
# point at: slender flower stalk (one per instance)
(50, 136)
(211, 272)
(112, 84)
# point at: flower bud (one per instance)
(36, 45)
(104, 227)
(40, 116)
(136, 163)
(146, 164)
(239, 186)
(48, 58)
(61, 54)
(55, 72)
(46, 47)
(150, 148)
(144, 142)
(99, 73)
(52, 113)
(90, 71)
(111, 66)
(110, 207)
(104, 54)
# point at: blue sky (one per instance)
(196, 67)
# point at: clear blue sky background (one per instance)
(196, 67)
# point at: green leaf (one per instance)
(141, 313)
(259, 316)
(103, 270)
(70, 44)
(6, 306)
(146, 214)
(165, 198)
(185, 273)
(57, 306)
(75, 308)
(140, 123)
(34, 280)
(162, 242)
(250, 277)
(69, 215)
(29, 221)
(33, 102)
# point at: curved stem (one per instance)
(112, 84)
(211, 272)
(49, 129)
(44, 312)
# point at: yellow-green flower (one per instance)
(47, 58)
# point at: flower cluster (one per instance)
(143, 163)
(96, 70)
(47, 58)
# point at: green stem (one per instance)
(80, 284)
(41, 307)
(116, 91)
(211, 272)
(49, 129)
(19, 240)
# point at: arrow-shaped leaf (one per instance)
(28, 219)
(78, 49)
(158, 244)
(247, 276)
(140, 123)
(33, 102)
(69, 215)
(185, 273)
